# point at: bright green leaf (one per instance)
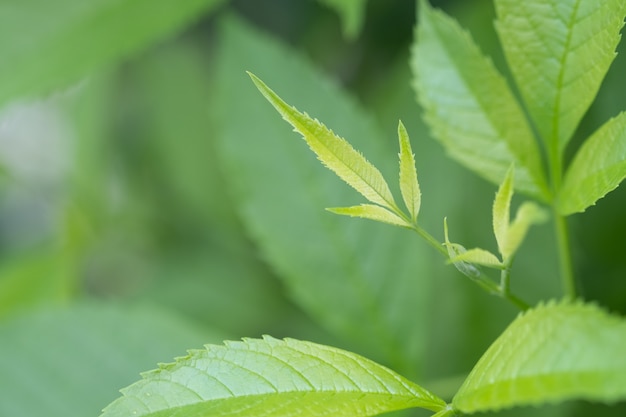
(469, 106)
(74, 360)
(555, 352)
(502, 208)
(478, 256)
(559, 51)
(338, 271)
(270, 377)
(372, 212)
(48, 45)
(598, 167)
(409, 187)
(528, 214)
(334, 152)
(455, 250)
(352, 13)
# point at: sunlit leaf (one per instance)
(598, 167)
(334, 152)
(469, 106)
(528, 214)
(559, 51)
(48, 45)
(478, 256)
(409, 187)
(270, 377)
(502, 208)
(372, 212)
(352, 13)
(555, 352)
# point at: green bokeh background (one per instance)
(139, 195)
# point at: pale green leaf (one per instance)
(352, 13)
(479, 257)
(554, 352)
(469, 106)
(270, 377)
(409, 187)
(598, 167)
(559, 51)
(46, 45)
(372, 212)
(71, 362)
(502, 208)
(334, 152)
(455, 250)
(337, 271)
(528, 214)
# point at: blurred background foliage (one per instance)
(151, 201)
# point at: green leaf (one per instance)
(598, 167)
(469, 106)
(528, 214)
(270, 377)
(334, 152)
(342, 273)
(74, 360)
(409, 187)
(352, 13)
(478, 256)
(502, 208)
(45, 45)
(554, 352)
(455, 250)
(372, 212)
(559, 51)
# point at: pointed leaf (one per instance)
(270, 377)
(528, 214)
(598, 167)
(555, 352)
(559, 51)
(334, 152)
(478, 256)
(455, 250)
(502, 208)
(409, 187)
(469, 106)
(372, 212)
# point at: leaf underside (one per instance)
(270, 377)
(559, 51)
(598, 167)
(555, 352)
(469, 106)
(371, 212)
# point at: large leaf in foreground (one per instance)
(559, 51)
(271, 378)
(48, 44)
(598, 168)
(555, 352)
(469, 106)
(366, 282)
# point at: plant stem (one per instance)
(483, 281)
(565, 259)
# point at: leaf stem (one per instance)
(565, 259)
(482, 280)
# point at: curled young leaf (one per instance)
(501, 209)
(455, 250)
(334, 152)
(409, 187)
(270, 377)
(372, 212)
(528, 214)
(479, 257)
